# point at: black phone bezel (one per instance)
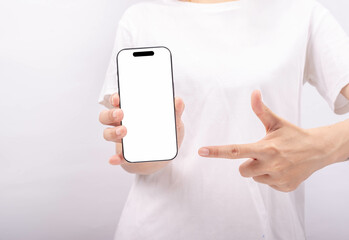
(173, 97)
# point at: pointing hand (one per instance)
(285, 157)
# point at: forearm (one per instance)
(339, 140)
(343, 132)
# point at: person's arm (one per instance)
(113, 118)
(288, 154)
(345, 91)
(344, 127)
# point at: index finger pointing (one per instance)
(233, 151)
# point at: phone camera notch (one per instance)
(143, 54)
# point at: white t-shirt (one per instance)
(222, 52)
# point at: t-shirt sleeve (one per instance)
(122, 40)
(327, 58)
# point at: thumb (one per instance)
(179, 105)
(269, 119)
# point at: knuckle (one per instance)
(120, 115)
(292, 186)
(233, 150)
(110, 115)
(107, 134)
(272, 149)
(113, 98)
(101, 116)
(214, 152)
(286, 185)
(281, 182)
(276, 167)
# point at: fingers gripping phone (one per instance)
(146, 91)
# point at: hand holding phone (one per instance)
(107, 117)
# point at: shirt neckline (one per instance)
(208, 6)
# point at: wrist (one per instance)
(324, 147)
(342, 138)
(334, 139)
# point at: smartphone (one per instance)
(147, 98)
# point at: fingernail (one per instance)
(115, 113)
(204, 151)
(118, 131)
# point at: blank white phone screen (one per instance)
(146, 93)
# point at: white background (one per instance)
(55, 180)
